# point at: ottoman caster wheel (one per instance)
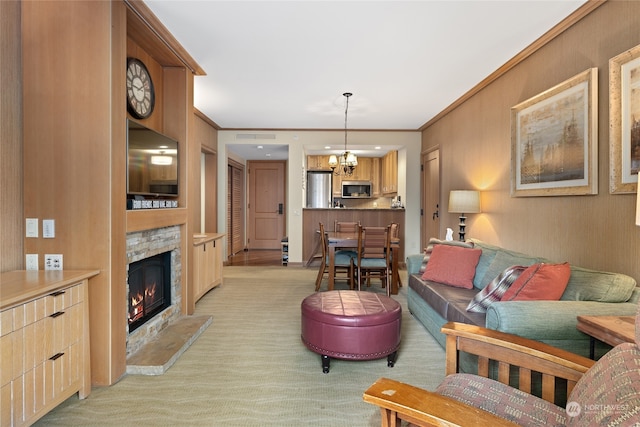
(391, 359)
(325, 364)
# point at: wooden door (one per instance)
(265, 211)
(431, 196)
(235, 208)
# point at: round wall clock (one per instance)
(140, 93)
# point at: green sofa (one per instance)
(588, 292)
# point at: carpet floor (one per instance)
(250, 368)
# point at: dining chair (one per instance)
(343, 263)
(373, 256)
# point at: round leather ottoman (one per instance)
(354, 325)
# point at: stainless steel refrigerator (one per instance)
(319, 189)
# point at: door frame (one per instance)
(428, 213)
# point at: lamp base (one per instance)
(462, 226)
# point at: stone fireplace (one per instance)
(157, 244)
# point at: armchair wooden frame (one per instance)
(399, 401)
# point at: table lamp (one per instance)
(464, 201)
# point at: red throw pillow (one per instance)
(452, 266)
(540, 282)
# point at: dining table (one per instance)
(348, 240)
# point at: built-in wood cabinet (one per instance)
(44, 342)
(390, 173)
(376, 188)
(316, 163)
(207, 263)
(363, 170)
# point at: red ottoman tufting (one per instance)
(353, 325)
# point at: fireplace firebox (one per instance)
(149, 288)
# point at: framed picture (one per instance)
(624, 121)
(554, 147)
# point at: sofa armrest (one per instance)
(424, 408)
(549, 320)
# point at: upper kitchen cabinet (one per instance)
(318, 163)
(390, 173)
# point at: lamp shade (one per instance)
(638, 203)
(464, 201)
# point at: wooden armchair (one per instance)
(467, 400)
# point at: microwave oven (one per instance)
(356, 190)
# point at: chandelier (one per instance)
(346, 162)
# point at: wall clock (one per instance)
(141, 96)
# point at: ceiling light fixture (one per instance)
(161, 159)
(347, 161)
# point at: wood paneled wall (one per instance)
(590, 231)
(11, 199)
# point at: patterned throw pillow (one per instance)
(434, 242)
(540, 282)
(495, 289)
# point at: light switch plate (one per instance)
(31, 229)
(48, 228)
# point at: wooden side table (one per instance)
(612, 330)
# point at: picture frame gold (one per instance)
(554, 140)
(624, 121)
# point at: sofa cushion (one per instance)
(503, 260)
(590, 285)
(495, 290)
(433, 242)
(449, 302)
(539, 282)
(452, 265)
(489, 253)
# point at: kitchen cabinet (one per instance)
(390, 173)
(363, 170)
(376, 188)
(207, 263)
(44, 342)
(315, 163)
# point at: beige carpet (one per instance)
(250, 368)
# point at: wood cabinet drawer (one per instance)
(41, 354)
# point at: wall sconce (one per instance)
(464, 201)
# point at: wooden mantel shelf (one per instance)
(148, 219)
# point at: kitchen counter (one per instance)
(379, 217)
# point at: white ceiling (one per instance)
(286, 64)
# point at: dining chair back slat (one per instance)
(374, 256)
